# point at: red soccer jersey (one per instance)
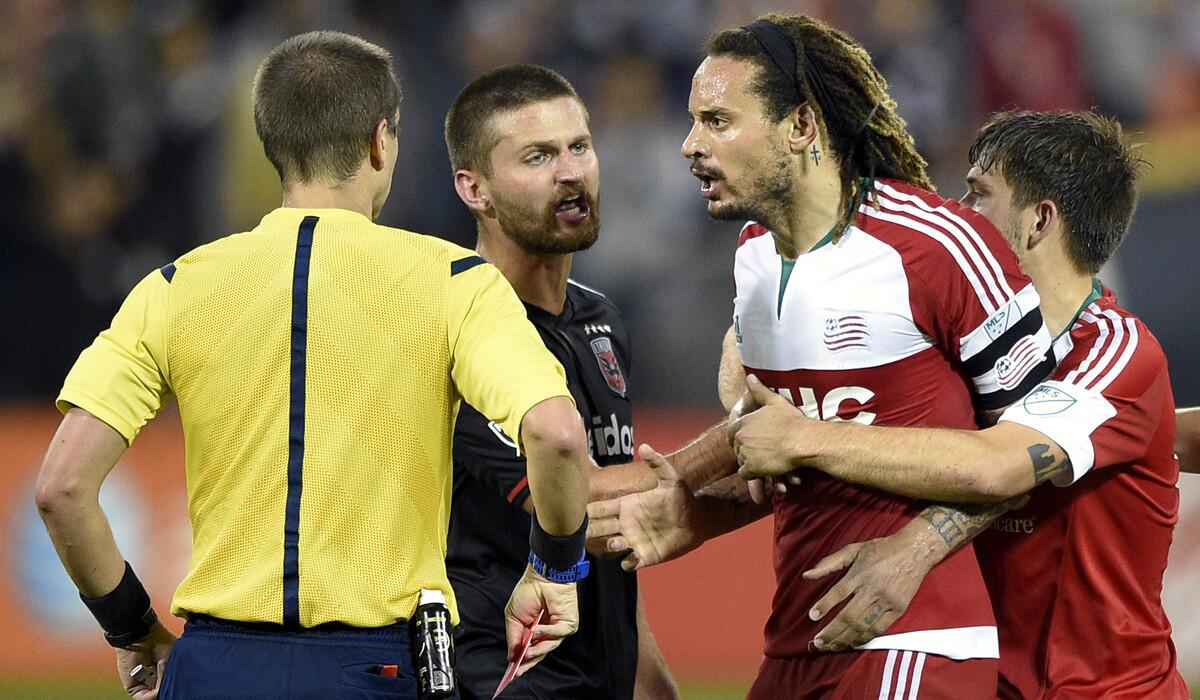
(1075, 575)
(916, 315)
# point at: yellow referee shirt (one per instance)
(318, 361)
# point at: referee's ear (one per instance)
(473, 191)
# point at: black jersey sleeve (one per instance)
(483, 449)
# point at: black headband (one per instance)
(784, 53)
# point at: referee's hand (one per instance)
(150, 652)
(533, 594)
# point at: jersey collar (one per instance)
(1096, 293)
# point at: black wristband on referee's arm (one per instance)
(125, 613)
(557, 552)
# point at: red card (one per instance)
(511, 672)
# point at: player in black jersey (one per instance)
(524, 164)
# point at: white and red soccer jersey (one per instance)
(917, 315)
(1075, 575)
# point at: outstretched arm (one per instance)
(936, 464)
(668, 521)
(707, 458)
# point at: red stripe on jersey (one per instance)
(1103, 330)
(1123, 345)
(973, 256)
(516, 490)
(964, 219)
(752, 229)
(1115, 341)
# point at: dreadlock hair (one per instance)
(859, 123)
(1082, 161)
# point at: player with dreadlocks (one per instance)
(860, 296)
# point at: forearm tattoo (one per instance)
(731, 488)
(958, 524)
(1044, 466)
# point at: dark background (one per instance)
(126, 139)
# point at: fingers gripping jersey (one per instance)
(1075, 575)
(917, 315)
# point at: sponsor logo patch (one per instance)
(602, 348)
(1047, 401)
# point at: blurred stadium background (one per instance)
(126, 139)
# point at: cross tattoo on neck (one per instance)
(816, 155)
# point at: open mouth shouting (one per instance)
(573, 208)
(709, 181)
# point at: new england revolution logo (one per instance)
(845, 332)
(1012, 368)
(607, 359)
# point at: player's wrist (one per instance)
(927, 544)
(124, 613)
(815, 443)
(570, 574)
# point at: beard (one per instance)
(768, 194)
(539, 230)
(1012, 233)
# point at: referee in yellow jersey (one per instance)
(319, 361)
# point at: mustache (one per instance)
(702, 171)
(562, 194)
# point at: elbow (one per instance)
(53, 496)
(56, 491)
(552, 430)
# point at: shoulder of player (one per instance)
(226, 244)
(896, 210)
(452, 251)
(215, 250)
(1110, 343)
(750, 231)
(459, 259)
(943, 244)
(583, 294)
(594, 310)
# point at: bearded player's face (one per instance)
(738, 156)
(545, 179)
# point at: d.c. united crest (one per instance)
(607, 359)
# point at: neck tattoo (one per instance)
(816, 155)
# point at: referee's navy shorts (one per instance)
(229, 660)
